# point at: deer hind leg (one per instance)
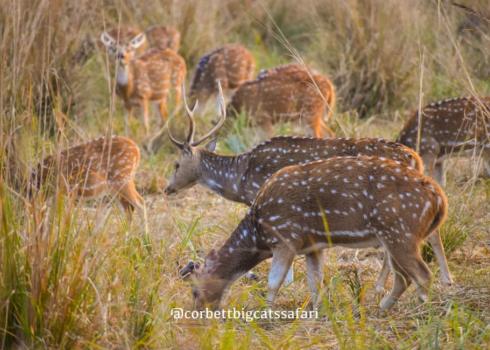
(320, 128)
(162, 107)
(439, 173)
(430, 162)
(407, 266)
(146, 111)
(282, 258)
(401, 282)
(383, 274)
(131, 199)
(314, 271)
(436, 243)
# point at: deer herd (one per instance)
(304, 194)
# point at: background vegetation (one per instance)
(73, 276)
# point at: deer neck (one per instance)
(124, 79)
(240, 253)
(223, 174)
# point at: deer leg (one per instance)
(131, 199)
(146, 111)
(319, 128)
(383, 274)
(400, 284)
(127, 116)
(314, 271)
(439, 173)
(282, 258)
(434, 167)
(407, 264)
(290, 276)
(436, 243)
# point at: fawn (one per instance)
(102, 166)
(239, 178)
(284, 93)
(448, 126)
(355, 202)
(230, 64)
(145, 78)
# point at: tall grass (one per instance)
(67, 281)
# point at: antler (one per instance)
(222, 112)
(190, 115)
(192, 125)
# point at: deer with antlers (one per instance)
(99, 167)
(355, 202)
(447, 128)
(286, 93)
(230, 64)
(147, 77)
(239, 178)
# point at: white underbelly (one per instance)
(372, 243)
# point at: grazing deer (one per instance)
(148, 77)
(354, 202)
(101, 166)
(285, 93)
(448, 127)
(239, 178)
(230, 64)
(163, 37)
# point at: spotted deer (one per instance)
(230, 64)
(163, 37)
(355, 202)
(106, 165)
(145, 78)
(239, 178)
(286, 93)
(449, 127)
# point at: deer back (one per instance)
(155, 72)
(163, 37)
(231, 64)
(449, 125)
(283, 93)
(350, 201)
(267, 158)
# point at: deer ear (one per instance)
(211, 146)
(138, 40)
(189, 269)
(106, 39)
(211, 259)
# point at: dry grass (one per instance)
(77, 275)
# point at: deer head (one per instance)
(123, 52)
(207, 288)
(187, 167)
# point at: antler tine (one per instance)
(190, 115)
(222, 112)
(173, 139)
